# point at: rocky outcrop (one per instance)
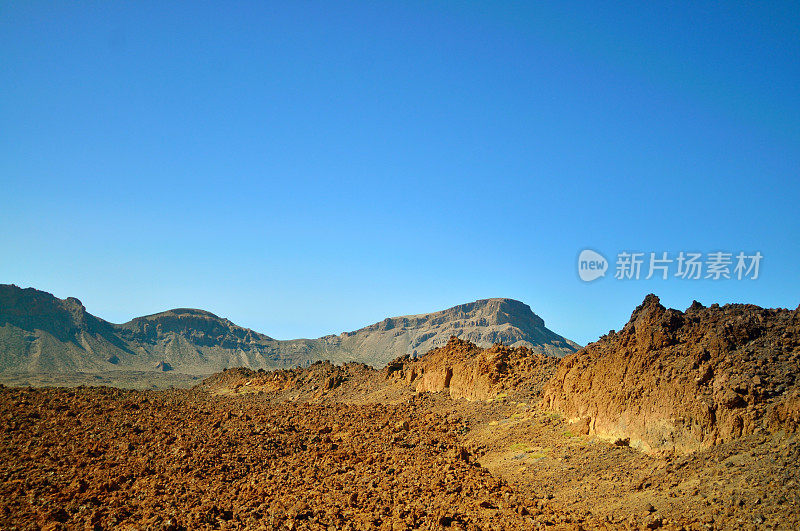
(460, 369)
(464, 370)
(312, 383)
(674, 381)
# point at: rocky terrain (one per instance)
(464, 370)
(683, 381)
(614, 436)
(49, 341)
(102, 458)
(459, 369)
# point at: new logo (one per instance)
(591, 265)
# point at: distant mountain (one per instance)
(484, 322)
(41, 334)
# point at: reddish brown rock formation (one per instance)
(464, 370)
(460, 369)
(675, 381)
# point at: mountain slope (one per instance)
(41, 334)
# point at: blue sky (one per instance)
(305, 168)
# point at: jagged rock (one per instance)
(464, 370)
(460, 368)
(675, 381)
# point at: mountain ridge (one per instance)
(40, 333)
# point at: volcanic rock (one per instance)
(683, 381)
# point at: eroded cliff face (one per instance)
(464, 370)
(674, 381)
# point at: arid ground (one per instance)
(460, 438)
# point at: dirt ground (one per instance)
(101, 458)
(750, 483)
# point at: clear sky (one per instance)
(306, 168)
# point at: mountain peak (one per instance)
(31, 309)
(483, 322)
(180, 313)
(198, 325)
(509, 311)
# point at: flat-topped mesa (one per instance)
(199, 326)
(484, 322)
(512, 312)
(484, 312)
(673, 381)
